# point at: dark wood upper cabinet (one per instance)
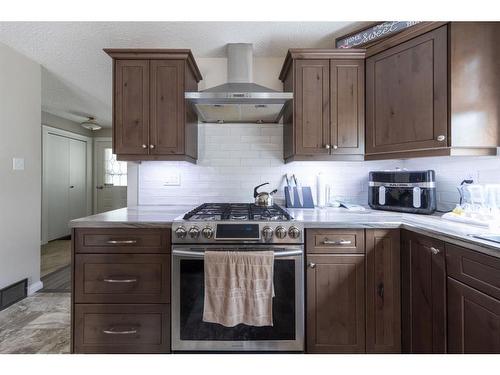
(383, 291)
(347, 107)
(325, 121)
(151, 118)
(312, 115)
(423, 293)
(431, 90)
(131, 99)
(406, 95)
(335, 303)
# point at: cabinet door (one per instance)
(312, 102)
(131, 119)
(473, 320)
(406, 95)
(423, 294)
(383, 292)
(347, 106)
(335, 304)
(167, 107)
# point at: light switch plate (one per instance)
(172, 179)
(18, 164)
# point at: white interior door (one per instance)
(111, 178)
(57, 185)
(77, 179)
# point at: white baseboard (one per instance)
(34, 287)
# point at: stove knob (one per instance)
(294, 232)
(207, 232)
(267, 232)
(280, 232)
(194, 233)
(181, 233)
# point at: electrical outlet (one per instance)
(18, 164)
(172, 179)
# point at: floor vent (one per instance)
(13, 293)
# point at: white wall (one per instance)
(233, 158)
(20, 191)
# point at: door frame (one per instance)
(46, 131)
(96, 140)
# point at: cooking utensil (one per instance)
(300, 192)
(263, 199)
(289, 191)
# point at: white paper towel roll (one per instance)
(320, 190)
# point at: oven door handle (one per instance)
(201, 254)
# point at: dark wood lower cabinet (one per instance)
(335, 303)
(122, 328)
(423, 294)
(120, 290)
(383, 291)
(473, 320)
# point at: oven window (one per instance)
(192, 326)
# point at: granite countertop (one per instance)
(433, 225)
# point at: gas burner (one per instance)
(237, 212)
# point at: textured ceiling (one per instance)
(76, 73)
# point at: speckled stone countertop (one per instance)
(432, 225)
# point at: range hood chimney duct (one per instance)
(239, 100)
(239, 63)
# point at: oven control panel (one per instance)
(237, 232)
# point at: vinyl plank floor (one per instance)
(57, 281)
(54, 256)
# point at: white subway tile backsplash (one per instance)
(233, 158)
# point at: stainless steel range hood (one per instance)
(239, 100)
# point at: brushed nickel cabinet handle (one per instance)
(311, 265)
(341, 242)
(113, 331)
(151, 146)
(144, 146)
(327, 146)
(122, 242)
(125, 281)
(441, 138)
(435, 251)
(335, 147)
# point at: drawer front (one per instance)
(122, 329)
(122, 240)
(122, 278)
(477, 270)
(335, 241)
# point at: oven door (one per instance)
(190, 333)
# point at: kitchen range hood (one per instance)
(239, 100)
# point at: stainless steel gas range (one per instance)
(237, 227)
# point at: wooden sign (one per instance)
(373, 33)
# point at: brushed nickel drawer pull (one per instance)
(112, 331)
(120, 280)
(341, 242)
(122, 242)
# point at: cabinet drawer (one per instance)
(122, 329)
(122, 240)
(477, 270)
(122, 278)
(339, 241)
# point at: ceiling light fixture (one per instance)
(91, 124)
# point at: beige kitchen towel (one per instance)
(239, 288)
